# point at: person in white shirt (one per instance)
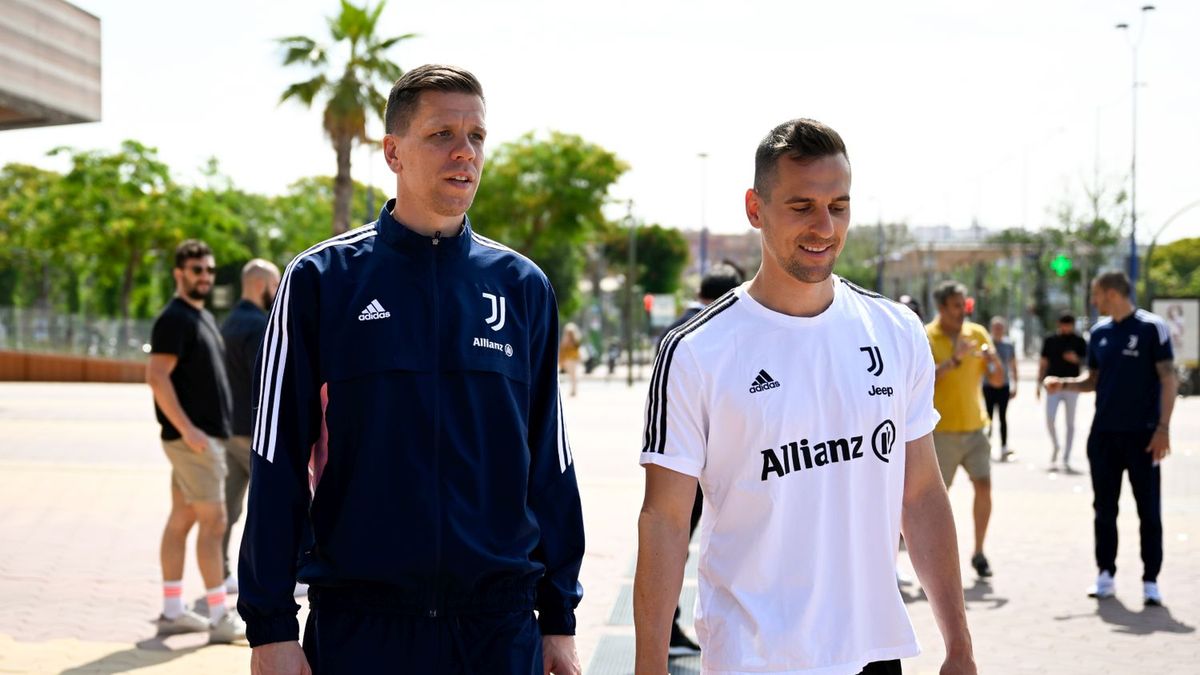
(803, 406)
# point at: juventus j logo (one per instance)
(876, 367)
(496, 320)
(1133, 339)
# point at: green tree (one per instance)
(351, 94)
(544, 198)
(860, 258)
(29, 256)
(1176, 269)
(662, 254)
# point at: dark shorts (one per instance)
(340, 640)
(882, 668)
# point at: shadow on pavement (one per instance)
(980, 592)
(150, 652)
(1148, 620)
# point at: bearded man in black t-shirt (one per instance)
(192, 401)
(1062, 356)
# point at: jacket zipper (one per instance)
(437, 423)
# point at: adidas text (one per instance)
(763, 387)
(367, 316)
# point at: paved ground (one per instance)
(83, 496)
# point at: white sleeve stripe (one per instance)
(1164, 332)
(565, 458)
(275, 348)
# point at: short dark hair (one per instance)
(947, 289)
(1114, 280)
(190, 249)
(406, 92)
(1066, 317)
(719, 280)
(800, 139)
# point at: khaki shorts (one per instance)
(200, 476)
(971, 449)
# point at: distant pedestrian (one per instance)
(243, 334)
(962, 351)
(996, 396)
(716, 282)
(1063, 355)
(911, 303)
(193, 403)
(570, 350)
(1132, 370)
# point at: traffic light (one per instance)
(1061, 265)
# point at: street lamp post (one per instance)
(1133, 47)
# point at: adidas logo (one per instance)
(763, 382)
(373, 311)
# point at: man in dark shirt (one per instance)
(192, 400)
(243, 333)
(1131, 368)
(1062, 355)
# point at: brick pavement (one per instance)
(83, 496)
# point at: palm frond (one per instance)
(305, 91)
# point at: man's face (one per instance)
(953, 312)
(195, 279)
(438, 160)
(269, 290)
(804, 217)
(1102, 299)
(1066, 327)
(997, 331)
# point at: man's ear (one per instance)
(753, 204)
(391, 155)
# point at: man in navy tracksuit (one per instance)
(1131, 368)
(410, 368)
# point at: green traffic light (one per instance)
(1061, 265)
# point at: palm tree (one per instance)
(349, 97)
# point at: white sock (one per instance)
(216, 603)
(173, 599)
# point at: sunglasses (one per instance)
(201, 269)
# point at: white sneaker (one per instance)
(188, 622)
(300, 591)
(1105, 587)
(227, 629)
(1151, 594)
(231, 587)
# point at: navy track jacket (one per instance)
(443, 477)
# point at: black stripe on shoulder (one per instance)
(862, 291)
(658, 436)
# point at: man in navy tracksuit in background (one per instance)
(1132, 370)
(445, 510)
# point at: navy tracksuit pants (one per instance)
(343, 639)
(1111, 454)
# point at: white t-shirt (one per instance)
(795, 428)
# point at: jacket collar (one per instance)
(399, 235)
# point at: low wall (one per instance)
(35, 367)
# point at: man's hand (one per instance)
(1053, 385)
(559, 656)
(962, 348)
(1160, 444)
(279, 658)
(1012, 393)
(196, 439)
(1071, 357)
(958, 666)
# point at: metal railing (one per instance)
(41, 330)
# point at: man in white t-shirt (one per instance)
(803, 405)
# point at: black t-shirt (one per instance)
(199, 376)
(243, 332)
(1053, 348)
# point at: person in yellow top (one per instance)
(962, 351)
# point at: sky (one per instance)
(996, 112)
